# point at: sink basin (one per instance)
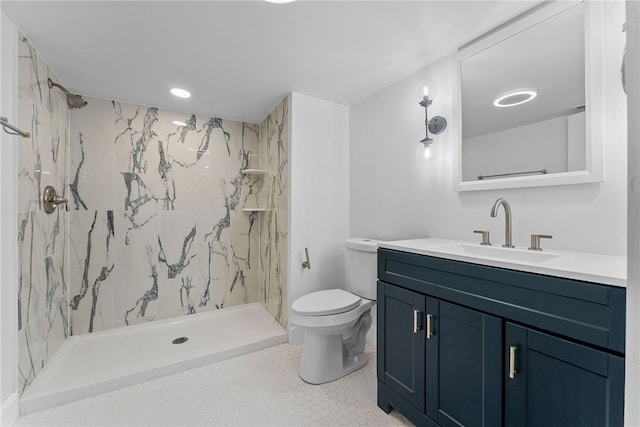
(495, 252)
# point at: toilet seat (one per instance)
(325, 303)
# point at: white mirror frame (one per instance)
(594, 97)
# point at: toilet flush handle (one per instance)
(307, 263)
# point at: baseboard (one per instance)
(10, 410)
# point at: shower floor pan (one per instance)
(95, 363)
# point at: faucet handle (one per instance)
(51, 200)
(485, 237)
(58, 200)
(535, 241)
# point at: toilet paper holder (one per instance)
(307, 263)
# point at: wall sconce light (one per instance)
(436, 126)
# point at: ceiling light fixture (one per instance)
(179, 123)
(180, 93)
(514, 97)
(280, 1)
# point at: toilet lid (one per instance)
(323, 303)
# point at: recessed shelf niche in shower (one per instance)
(260, 174)
(255, 209)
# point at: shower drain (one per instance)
(179, 340)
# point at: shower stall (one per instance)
(164, 219)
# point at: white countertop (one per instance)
(606, 269)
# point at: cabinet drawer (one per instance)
(588, 312)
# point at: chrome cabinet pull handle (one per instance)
(512, 361)
(429, 321)
(416, 314)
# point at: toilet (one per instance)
(332, 325)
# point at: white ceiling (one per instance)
(240, 58)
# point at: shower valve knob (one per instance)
(51, 200)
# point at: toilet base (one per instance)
(323, 361)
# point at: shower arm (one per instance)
(59, 86)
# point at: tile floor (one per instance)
(257, 389)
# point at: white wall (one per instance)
(576, 148)
(632, 381)
(536, 146)
(392, 189)
(8, 227)
(395, 195)
(318, 194)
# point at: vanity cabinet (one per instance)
(442, 358)
(451, 335)
(559, 382)
(463, 365)
(401, 346)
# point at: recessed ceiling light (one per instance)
(181, 93)
(178, 123)
(280, 1)
(514, 97)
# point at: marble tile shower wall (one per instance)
(157, 228)
(42, 243)
(274, 141)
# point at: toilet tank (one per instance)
(362, 266)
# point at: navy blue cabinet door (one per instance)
(463, 366)
(401, 343)
(550, 382)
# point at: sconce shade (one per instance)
(423, 150)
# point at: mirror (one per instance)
(530, 101)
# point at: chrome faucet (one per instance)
(507, 220)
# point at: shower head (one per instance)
(74, 102)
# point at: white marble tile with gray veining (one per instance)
(32, 96)
(136, 162)
(138, 299)
(31, 297)
(136, 137)
(92, 171)
(228, 234)
(273, 234)
(42, 238)
(92, 290)
(55, 251)
(177, 147)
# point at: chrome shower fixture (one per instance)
(74, 102)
